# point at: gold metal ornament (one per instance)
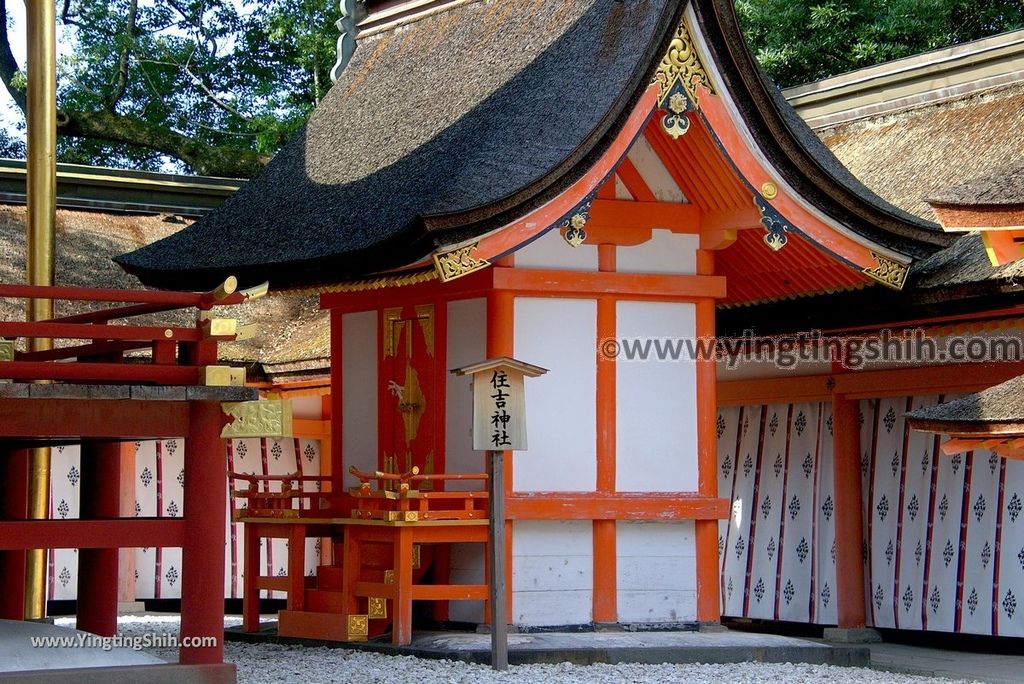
(770, 190)
(6, 350)
(262, 418)
(458, 262)
(888, 272)
(575, 228)
(681, 65)
(376, 608)
(358, 628)
(425, 316)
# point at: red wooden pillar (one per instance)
(13, 506)
(605, 607)
(850, 602)
(202, 556)
(709, 607)
(97, 568)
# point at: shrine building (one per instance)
(553, 182)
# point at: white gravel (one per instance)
(294, 664)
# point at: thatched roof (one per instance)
(908, 156)
(1003, 403)
(465, 120)
(436, 132)
(291, 330)
(1001, 186)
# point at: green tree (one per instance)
(217, 85)
(798, 41)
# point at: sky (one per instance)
(16, 28)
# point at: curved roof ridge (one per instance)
(796, 149)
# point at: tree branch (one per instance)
(8, 65)
(205, 159)
(121, 85)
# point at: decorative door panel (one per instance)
(409, 390)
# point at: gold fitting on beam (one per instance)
(376, 608)
(246, 331)
(389, 577)
(262, 418)
(222, 327)
(218, 376)
(411, 516)
(6, 350)
(168, 333)
(417, 558)
(226, 288)
(257, 291)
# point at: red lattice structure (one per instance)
(109, 382)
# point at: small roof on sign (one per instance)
(527, 369)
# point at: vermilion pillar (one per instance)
(98, 568)
(202, 557)
(850, 602)
(605, 542)
(709, 607)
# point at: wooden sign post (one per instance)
(499, 425)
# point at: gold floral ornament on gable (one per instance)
(680, 73)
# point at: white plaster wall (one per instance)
(657, 572)
(560, 335)
(665, 252)
(552, 573)
(467, 567)
(467, 344)
(359, 392)
(655, 407)
(551, 250)
(307, 407)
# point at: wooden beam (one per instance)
(895, 382)
(550, 283)
(624, 214)
(937, 379)
(622, 506)
(91, 534)
(797, 389)
(109, 418)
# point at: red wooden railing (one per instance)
(178, 355)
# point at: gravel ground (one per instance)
(295, 664)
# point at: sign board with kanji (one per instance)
(499, 407)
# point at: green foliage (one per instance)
(236, 74)
(798, 41)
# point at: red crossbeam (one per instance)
(101, 372)
(78, 331)
(91, 534)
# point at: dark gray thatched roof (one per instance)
(460, 122)
(1000, 186)
(1000, 404)
(451, 124)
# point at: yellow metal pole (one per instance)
(41, 191)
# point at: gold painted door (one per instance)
(410, 380)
